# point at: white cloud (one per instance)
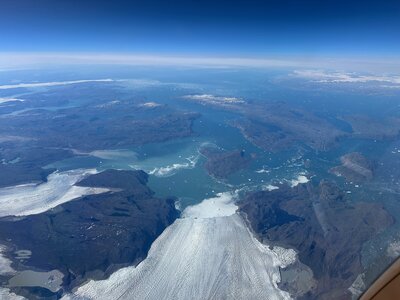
(5, 100)
(344, 77)
(150, 104)
(207, 98)
(9, 61)
(46, 84)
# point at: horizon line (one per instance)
(9, 60)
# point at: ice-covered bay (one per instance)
(207, 254)
(29, 199)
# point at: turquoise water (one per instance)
(176, 167)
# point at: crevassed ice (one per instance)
(207, 254)
(29, 199)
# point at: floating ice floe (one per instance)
(172, 169)
(301, 178)
(208, 254)
(270, 187)
(263, 170)
(30, 199)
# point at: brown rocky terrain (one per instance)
(355, 168)
(274, 126)
(94, 235)
(221, 163)
(327, 230)
(367, 127)
(40, 137)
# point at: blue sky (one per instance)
(227, 28)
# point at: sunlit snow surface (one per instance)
(29, 199)
(207, 254)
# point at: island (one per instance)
(221, 163)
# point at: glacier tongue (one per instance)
(30, 199)
(208, 254)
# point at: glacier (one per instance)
(29, 199)
(209, 253)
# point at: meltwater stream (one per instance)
(209, 253)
